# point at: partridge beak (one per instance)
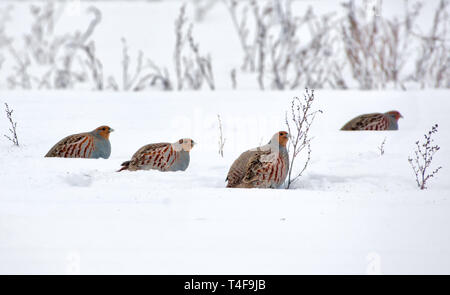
(111, 130)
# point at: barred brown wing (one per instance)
(73, 146)
(265, 169)
(239, 168)
(155, 156)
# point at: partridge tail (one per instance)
(125, 166)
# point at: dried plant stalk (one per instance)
(13, 129)
(298, 124)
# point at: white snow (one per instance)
(353, 212)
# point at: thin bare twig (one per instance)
(298, 125)
(221, 138)
(13, 129)
(381, 147)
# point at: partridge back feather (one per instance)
(159, 156)
(238, 169)
(373, 121)
(263, 167)
(73, 146)
(153, 156)
(266, 170)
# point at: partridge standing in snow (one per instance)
(161, 156)
(263, 167)
(93, 145)
(375, 121)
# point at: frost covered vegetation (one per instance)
(423, 158)
(281, 49)
(298, 122)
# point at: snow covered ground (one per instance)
(353, 212)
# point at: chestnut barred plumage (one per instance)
(161, 156)
(263, 167)
(93, 145)
(374, 121)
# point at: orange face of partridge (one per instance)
(283, 138)
(104, 131)
(395, 114)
